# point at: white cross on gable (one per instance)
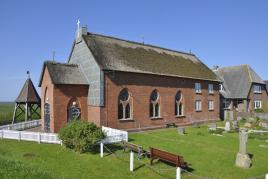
(78, 24)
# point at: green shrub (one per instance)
(259, 110)
(81, 136)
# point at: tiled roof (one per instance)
(237, 80)
(62, 73)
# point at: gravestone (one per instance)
(227, 127)
(181, 130)
(242, 158)
(235, 125)
(212, 126)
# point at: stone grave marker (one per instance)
(212, 126)
(181, 130)
(227, 127)
(242, 158)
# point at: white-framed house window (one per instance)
(257, 88)
(210, 105)
(257, 104)
(198, 105)
(210, 89)
(198, 88)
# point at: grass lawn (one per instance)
(6, 113)
(210, 156)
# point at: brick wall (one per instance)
(256, 96)
(59, 96)
(140, 87)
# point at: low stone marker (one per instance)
(264, 124)
(212, 126)
(242, 158)
(181, 130)
(227, 127)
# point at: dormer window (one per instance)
(257, 89)
(210, 89)
(198, 88)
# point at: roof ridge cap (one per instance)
(249, 73)
(142, 44)
(60, 63)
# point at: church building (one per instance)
(127, 85)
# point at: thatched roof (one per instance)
(28, 93)
(122, 55)
(237, 81)
(62, 73)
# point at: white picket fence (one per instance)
(30, 136)
(21, 125)
(114, 135)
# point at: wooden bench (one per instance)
(171, 125)
(135, 148)
(167, 157)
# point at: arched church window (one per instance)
(154, 104)
(74, 111)
(124, 105)
(178, 104)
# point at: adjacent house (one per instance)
(242, 90)
(127, 85)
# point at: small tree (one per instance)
(81, 136)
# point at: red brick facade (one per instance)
(140, 87)
(258, 96)
(59, 98)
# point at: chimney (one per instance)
(215, 68)
(80, 31)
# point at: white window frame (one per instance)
(257, 89)
(257, 104)
(210, 105)
(221, 87)
(198, 105)
(198, 88)
(210, 88)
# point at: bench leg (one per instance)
(151, 161)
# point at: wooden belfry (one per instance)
(27, 102)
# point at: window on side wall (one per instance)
(198, 105)
(257, 104)
(154, 105)
(210, 89)
(178, 104)
(124, 105)
(257, 88)
(210, 105)
(198, 88)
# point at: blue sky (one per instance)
(220, 33)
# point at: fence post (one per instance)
(19, 138)
(266, 176)
(2, 134)
(178, 173)
(39, 138)
(131, 167)
(101, 150)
